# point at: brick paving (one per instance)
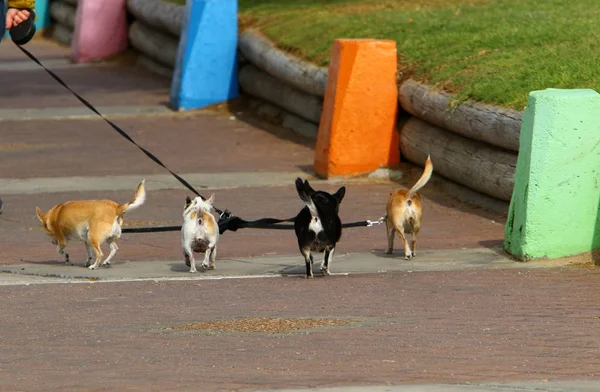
(446, 327)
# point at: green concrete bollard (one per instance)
(554, 211)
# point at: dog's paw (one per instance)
(309, 276)
(325, 271)
(193, 270)
(388, 251)
(205, 267)
(92, 267)
(408, 256)
(211, 267)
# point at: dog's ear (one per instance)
(188, 201)
(299, 184)
(308, 187)
(301, 189)
(211, 199)
(40, 214)
(339, 195)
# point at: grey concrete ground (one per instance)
(460, 316)
(273, 266)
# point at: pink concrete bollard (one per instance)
(100, 30)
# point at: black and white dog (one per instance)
(318, 226)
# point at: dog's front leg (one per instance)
(60, 248)
(309, 262)
(327, 261)
(61, 251)
(88, 251)
(96, 246)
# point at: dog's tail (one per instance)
(423, 180)
(138, 200)
(303, 192)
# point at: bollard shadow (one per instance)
(497, 246)
(244, 113)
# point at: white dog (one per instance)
(200, 232)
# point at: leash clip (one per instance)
(377, 222)
(225, 215)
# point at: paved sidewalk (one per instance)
(344, 263)
(460, 316)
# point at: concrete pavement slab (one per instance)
(81, 112)
(288, 265)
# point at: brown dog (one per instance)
(403, 213)
(92, 221)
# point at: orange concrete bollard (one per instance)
(357, 132)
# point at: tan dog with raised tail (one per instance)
(92, 221)
(403, 213)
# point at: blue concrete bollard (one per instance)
(206, 68)
(42, 10)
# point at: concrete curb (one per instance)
(259, 267)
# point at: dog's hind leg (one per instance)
(190, 261)
(206, 261)
(213, 257)
(113, 250)
(391, 233)
(414, 241)
(327, 261)
(407, 252)
(309, 262)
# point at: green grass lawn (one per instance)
(493, 51)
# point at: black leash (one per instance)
(227, 221)
(237, 223)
